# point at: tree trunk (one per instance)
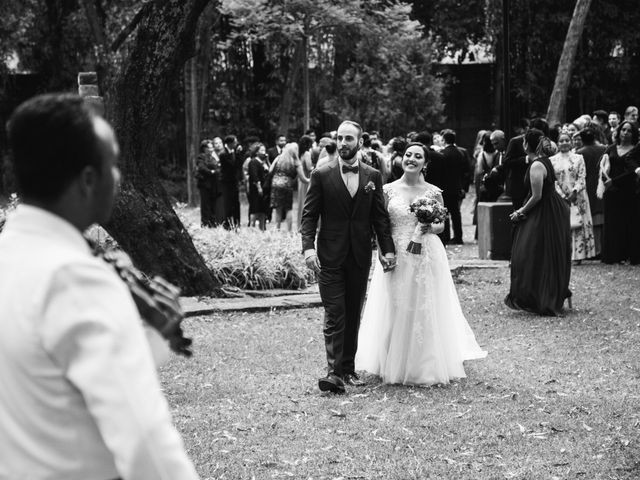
(287, 96)
(305, 77)
(192, 125)
(557, 103)
(196, 79)
(144, 222)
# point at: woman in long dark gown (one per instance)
(541, 251)
(621, 232)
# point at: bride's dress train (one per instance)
(413, 330)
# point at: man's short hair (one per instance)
(587, 135)
(424, 138)
(354, 124)
(229, 139)
(601, 115)
(449, 136)
(540, 124)
(52, 139)
(366, 140)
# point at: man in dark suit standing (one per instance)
(346, 195)
(514, 166)
(276, 150)
(230, 172)
(592, 154)
(454, 174)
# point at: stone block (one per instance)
(88, 91)
(494, 230)
(87, 78)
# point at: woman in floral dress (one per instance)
(571, 184)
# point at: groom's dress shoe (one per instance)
(353, 379)
(331, 383)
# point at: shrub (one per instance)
(249, 258)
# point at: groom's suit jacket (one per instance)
(346, 223)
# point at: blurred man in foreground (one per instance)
(80, 397)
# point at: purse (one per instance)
(575, 217)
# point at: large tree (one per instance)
(557, 103)
(137, 78)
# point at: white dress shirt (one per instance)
(350, 179)
(79, 394)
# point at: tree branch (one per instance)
(95, 24)
(126, 31)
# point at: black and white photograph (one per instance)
(319, 240)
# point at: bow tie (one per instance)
(347, 169)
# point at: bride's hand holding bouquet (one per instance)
(431, 215)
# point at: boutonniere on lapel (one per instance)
(369, 187)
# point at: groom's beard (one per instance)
(347, 154)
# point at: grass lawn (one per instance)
(555, 398)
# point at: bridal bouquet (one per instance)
(427, 210)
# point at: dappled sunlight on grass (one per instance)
(555, 398)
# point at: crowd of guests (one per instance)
(595, 160)
(271, 177)
(575, 190)
(596, 163)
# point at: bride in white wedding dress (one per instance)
(413, 330)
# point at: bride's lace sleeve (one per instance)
(436, 193)
(387, 191)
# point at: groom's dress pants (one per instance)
(342, 290)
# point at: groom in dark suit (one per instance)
(347, 196)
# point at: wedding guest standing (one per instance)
(631, 114)
(614, 121)
(80, 396)
(305, 145)
(286, 168)
(329, 152)
(486, 158)
(541, 250)
(397, 146)
(218, 149)
(619, 243)
(513, 167)
(455, 172)
(207, 178)
(571, 184)
(276, 150)
(257, 173)
(231, 170)
(592, 153)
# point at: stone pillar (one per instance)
(494, 230)
(88, 89)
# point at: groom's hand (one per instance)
(312, 261)
(388, 262)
